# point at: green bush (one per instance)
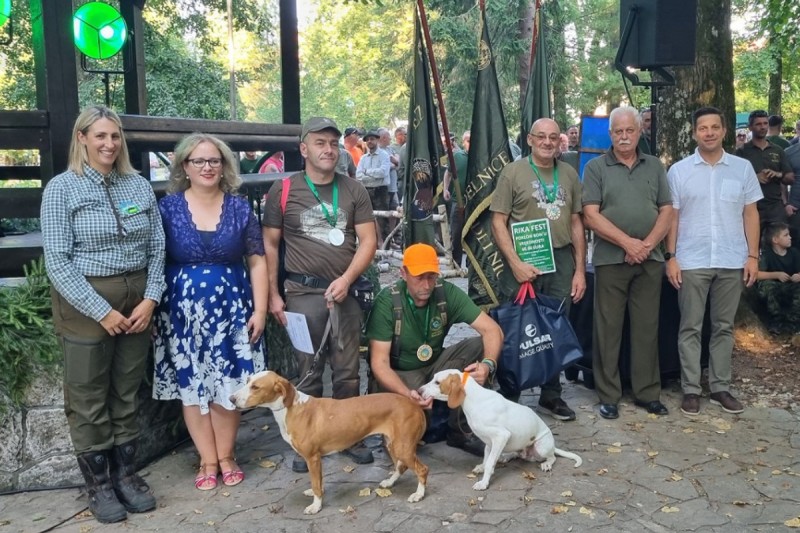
(27, 340)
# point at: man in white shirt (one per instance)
(711, 247)
(373, 171)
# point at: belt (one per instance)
(308, 281)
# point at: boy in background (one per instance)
(779, 279)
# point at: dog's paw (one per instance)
(546, 466)
(308, 492)
(480, 485)
(314, 507)
(478, 469)
(386, 483)
(415, 497)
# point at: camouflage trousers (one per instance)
(783, 303)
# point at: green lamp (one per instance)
(99, 30)
(5, 12)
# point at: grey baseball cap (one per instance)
(315, 124)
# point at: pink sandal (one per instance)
(234, 476)
(205, 481)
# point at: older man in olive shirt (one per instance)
(626, 201)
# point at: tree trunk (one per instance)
(775, 82)
(708, 83)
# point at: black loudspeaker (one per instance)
(664, 33)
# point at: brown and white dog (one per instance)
(504, 426)
(321, 426)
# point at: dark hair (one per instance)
(708, 110)
(759, 113)
(775, 120)
(772, 231)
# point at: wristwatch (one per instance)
(668, 256)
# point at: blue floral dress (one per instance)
(202, 350)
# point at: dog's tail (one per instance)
(569, 455)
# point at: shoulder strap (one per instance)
(441, 301)
(397, 314)
(287, 184)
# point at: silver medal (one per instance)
(336, 237)
(553, 212)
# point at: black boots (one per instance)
(103, 502)
(132, 491)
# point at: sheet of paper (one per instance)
(297, 327)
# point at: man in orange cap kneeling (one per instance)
(406, 330)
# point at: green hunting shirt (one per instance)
(413, 334)
(628, 197)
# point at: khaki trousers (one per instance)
(102, 373)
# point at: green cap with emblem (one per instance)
(316, 124)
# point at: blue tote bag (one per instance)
(538, 343)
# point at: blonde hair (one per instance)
(229, 181)
(78, 156)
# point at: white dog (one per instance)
(504, 426)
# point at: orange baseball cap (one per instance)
(420, 259)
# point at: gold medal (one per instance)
(553, 212)
(424, 352)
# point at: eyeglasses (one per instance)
(541, 137)
(199, 162)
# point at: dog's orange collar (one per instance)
(464, 377)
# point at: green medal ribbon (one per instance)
(427, 327)
(330, 218)
(549, 194)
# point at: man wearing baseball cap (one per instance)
(327, 225)
(350, 140)
(425, 308)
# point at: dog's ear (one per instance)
(285, 389)
(454, 390)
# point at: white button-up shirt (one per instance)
(710, 202)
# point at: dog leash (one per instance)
(325, 335)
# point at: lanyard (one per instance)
(427, 327)
(550, 194)
(330, 218)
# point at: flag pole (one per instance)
(423, 18)
(536, 21)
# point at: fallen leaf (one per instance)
(668, 509)
(688, 430)
(617, 444)
(84, 529)
(365, 492)
(584, 510)
(226, 493)
(349, 468)
(210, 522)
(559, 509)
(602, 471)
(347, 510)
(674, 477)
(570, 503)
(726, 455)
(527, 499)
(471, 502)
(198, 511)
(265, 427)
(528, 475)
(471, 475)
(776, 472)
(739, 503)
(566, 493)
(720, 423)
(794, 522)
(383, 493)
(652, 454)
(266, 464)
(614, 449)
(612, 514)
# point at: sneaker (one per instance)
(690, 406)
(558, 409)
(359, 453)
(467, 442)
(299, 465)
(728, 403)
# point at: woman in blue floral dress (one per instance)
(211, 319)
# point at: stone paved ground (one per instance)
(717, 472)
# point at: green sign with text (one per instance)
(533, 244)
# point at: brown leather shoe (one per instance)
(690, 405)
(728, 403)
